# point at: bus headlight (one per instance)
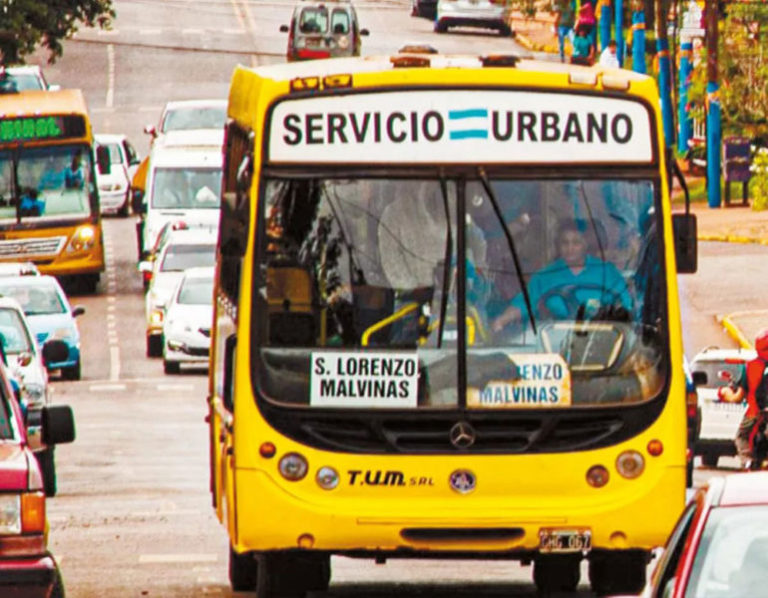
(327, 478)
(630, 464)
(83, 239)
(293, 467)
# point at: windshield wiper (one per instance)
(446, 261)
(510, 243)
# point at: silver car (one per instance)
(484, 14)
(323, 30)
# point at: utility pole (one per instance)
(714, 133)
(638, 36)
(684, 121)
(665, 77)
(618, 17)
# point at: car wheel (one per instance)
(556, 573)
(58, 586)
(171, 367)
(242, 571)
(710, 459)
(72, 372)
(291, 576)
(618, 572)
(440, 27)
(155, 345)
(47, 462)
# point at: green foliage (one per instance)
(759, 184)
(742, 72)
(27, 24)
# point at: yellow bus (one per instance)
(407, 361)
(49, 202)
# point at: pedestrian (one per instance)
(565, 17)
(583, 50)
(588, 21)
(608, 56)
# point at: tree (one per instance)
(27, 24)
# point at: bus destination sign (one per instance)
(40, 128)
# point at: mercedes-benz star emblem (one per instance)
(462, 481)
(462, 435)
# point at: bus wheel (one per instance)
(87, 283)
(557, 572)
(617, 571)
(287, 575)
(242, 571)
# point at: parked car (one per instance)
(719, 547)
(484, 14)
(115, 186)
(27, 567)
(721, 413)
(187, 324)
(21, 78)
(50, 317)
(323, 30)
(186, 115)
(184, 249)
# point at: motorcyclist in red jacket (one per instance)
(757, 395)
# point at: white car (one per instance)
(18, 269)
(24, 358)
(24, 77)
(184, 249)
(185, 115)
(187, 325)
(484, 14)
(115, 187)
(720, 418)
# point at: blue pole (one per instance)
(714, 140)
(605, 23)
(618, 17)
(638, 41)
(665, 90)
(685, 124)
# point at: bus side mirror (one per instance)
(364, 32)
(684, 232)
(284, 28)
(230, 345)
(102, 160)
(54, 351)
(137, 201)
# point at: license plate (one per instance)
(564, 540)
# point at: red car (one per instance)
(27, 568)
(719, 547)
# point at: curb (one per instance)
(528, 44)
(734, 332)
(725, 238)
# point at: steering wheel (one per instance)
(566, 301)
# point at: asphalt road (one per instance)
(133, 515)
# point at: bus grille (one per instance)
(431, 434)
(29, 247)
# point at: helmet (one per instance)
(761, 343)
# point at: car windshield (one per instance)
(35, 300)
(720, 373)
(732, 557)
(185, 188)
(180, 257)
(53, 183)
(6, 414)
(13, 333)
(352, 267)
(199, 117)
(196, 291)
(25, 81)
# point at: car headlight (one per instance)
(83, 239)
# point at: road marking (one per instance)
(175, 387)
(193, 31)
(238, 16)
(146, 559)
(150, 31)
(98, 387)
(114, 362)
(110, 101)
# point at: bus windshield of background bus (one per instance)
(53, 182)
(357, 297)
(185, 188)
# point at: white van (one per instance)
(183, 183)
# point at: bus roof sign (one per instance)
(40, 128)
(457, 126)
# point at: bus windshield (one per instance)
(363, 301)
(51, 182)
